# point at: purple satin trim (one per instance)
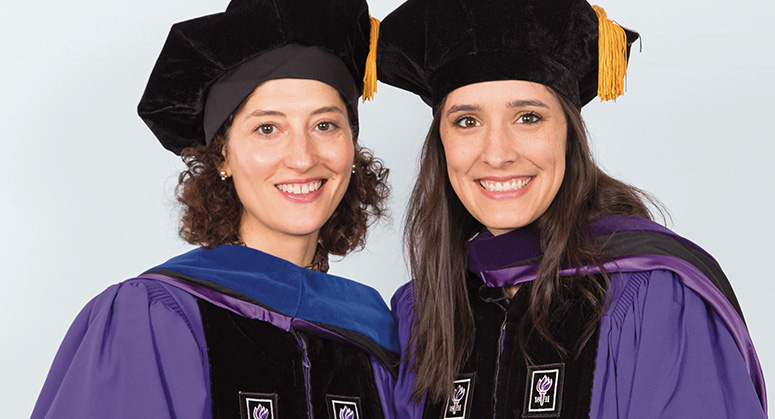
(385, 383)
(243, 308)
(402, 307)
(253, 311)
(689, 276)
(487, 252)
(507, 277)
(313, 329)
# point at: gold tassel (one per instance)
(370, 73)
(612, 65)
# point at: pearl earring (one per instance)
(223, 175)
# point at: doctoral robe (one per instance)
(671, 343)
(226, 333)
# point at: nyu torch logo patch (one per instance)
(543, 395)
(258, 405)
(341, 407)
(459, 400)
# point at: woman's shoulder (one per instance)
(141, 306)
(637, 248)
(142, 292)
(628, 234)
(685, 343)
(627, 288)
(401, 302)
(401, 305)
(662, 285)
(139, 328)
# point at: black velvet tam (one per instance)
(432, 47)
(199, 51)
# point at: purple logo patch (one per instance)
(260, 412)
(543, 395)
(457, 396)
(346, 413)
(460, 398)
(258, 405)
(343, 407)
(544, 385)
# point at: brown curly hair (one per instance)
(211, 210)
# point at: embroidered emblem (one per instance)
(260, 412)
(543, 394)
(346, 413)
(258, 405)
(342, 407)
(460, 397)
(544, 385)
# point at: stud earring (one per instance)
(353, 171)
(223, 175)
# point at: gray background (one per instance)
(86, 191)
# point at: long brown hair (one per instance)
(211, 210)
(439, 227)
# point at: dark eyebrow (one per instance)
(523, 103)
(327, 109)
(512, 105)
(324, 109)
(463, 108)
(265, 113)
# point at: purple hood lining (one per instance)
(487, 251)
(513, 258)
(254, 311)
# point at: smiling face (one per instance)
(504, 142)
(290, 152)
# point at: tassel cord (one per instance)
(370, 72)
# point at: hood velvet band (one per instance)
(288, 289)
(631, 244)
(291, 61)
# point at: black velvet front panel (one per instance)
(253, 356)
(579, 373)
(501, 377)
(342, 371)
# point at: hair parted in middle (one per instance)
(211, 211)
(437, 231)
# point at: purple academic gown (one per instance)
(671, 345)
(138, 349)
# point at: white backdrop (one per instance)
(86, 191)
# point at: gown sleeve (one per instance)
(401, 305)
(132, 352)
(664, 353)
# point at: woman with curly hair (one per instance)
(261, 103)
(541, 287)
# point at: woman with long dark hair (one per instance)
(541, 287)
(261, 103)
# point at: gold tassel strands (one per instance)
(612, 65)
(370, 73)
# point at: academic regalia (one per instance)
(222, 333)
(672, 341)
(234, 332)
